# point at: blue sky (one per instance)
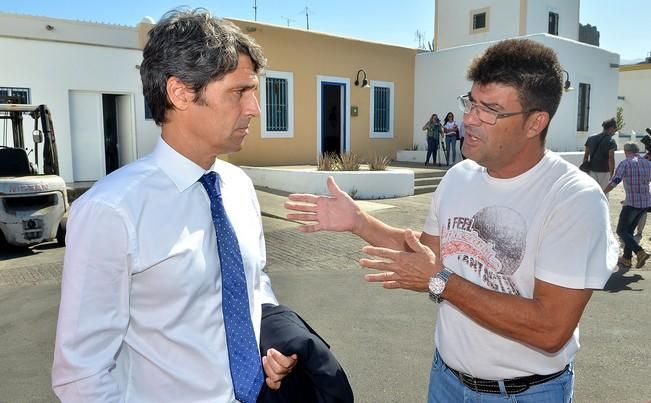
(622, 24)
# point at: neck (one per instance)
(176, 138)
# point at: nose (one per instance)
(252, 107)
(471, 118)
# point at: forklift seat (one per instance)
(14, 162)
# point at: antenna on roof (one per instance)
(307, 17)
(288, 20)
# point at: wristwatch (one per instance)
(437, 284)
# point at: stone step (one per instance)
(430, 180)
(424, 189)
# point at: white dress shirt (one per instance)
(140, 317)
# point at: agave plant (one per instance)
(379, 162)
(329, 162)
(350, 161)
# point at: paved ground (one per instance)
(384, 339)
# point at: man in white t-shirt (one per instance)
(504, 249)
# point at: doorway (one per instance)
(102, 128)
(332, 118)
(332, 125)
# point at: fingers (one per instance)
(413, 242)
(332, 187)
(302, 216)
(302, 206)
(276, 366)
(385, 253)
(388, 276)
(303, 197)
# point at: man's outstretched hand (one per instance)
(337, 212)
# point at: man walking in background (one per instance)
(635, 172)
(600, 153)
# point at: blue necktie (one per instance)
(243, 354)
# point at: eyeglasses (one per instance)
(484, 113)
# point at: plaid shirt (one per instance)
(635, 171)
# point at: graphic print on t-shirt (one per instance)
(491, 243)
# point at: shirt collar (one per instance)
(182, 171)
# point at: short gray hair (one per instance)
(631, 147)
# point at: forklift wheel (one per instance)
(61, 236)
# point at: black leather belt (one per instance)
(512, 386)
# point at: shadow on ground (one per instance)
(621, 281)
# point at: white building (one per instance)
(87, 74)
(635, 96)
(465, 29)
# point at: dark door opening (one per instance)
(332, 121)
(111, 154)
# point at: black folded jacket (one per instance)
(317, 376)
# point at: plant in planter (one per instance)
(378, 162)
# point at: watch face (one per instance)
(436, 285)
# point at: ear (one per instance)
(179, 94)
(536, 123)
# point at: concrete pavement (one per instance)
(384, 339)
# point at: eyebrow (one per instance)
(492, 106)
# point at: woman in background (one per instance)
(451, 130)
(434, 130)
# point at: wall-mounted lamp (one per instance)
(364, 82)
(567, 86)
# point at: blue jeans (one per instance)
(445, 387)
(432, 147)
(451, 144)
(628, 219)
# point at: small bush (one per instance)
(379, 162)
(350, 161)
(329, 162)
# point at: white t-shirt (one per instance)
(550, 223)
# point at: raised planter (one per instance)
(411, 156)
(395, 182)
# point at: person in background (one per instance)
(434, 131)
(451, 130)
(600, 153)
(462, 134)
(635, 172)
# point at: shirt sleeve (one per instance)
(94, 309)
(618, 175)
(577, 248)
(267, 295)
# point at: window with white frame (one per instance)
(18, 95)
(382, 110)
(583, 111)
(479, 20)
(277, 109)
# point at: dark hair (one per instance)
(530, 67)
(194, 47)
(448, 114)
(609, 124)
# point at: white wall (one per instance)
(568, 21)
(440, 78)
(52, 69)
(453, 22)
(635, 87)
(26, 26)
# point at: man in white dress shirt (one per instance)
(141, 298)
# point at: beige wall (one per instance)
(307, 54)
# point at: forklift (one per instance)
(33, 197)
